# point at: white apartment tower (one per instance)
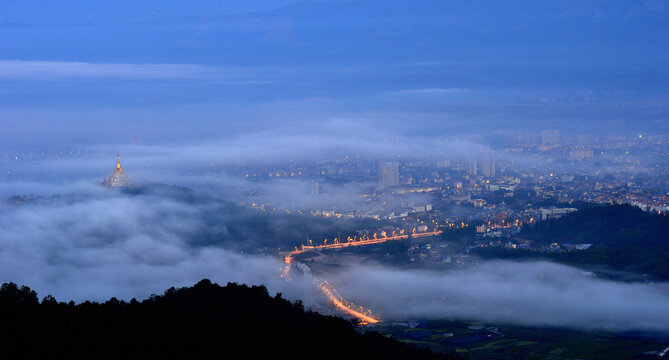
(389, 174)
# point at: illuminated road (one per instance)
(364, 316)
(364, 241)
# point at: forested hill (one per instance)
(602, 225)
(205, 321)
(623, 238)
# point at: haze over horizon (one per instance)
(193, 71)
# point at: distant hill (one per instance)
(603, 225)
(205, 321)
(623, 237)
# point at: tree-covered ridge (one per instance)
(599, 225)
(623, 238)
(204, 321)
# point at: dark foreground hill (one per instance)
(205, 321)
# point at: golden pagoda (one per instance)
(118, 178)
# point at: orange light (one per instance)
(363, 315)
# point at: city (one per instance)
(334, 179)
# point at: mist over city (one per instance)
(409, 179)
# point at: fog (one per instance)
(95, 243)
(206, 164)
(525, 293)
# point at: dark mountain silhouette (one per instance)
(205, 321)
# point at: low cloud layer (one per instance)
(99, 244)
(538, 294)
(10, 69)
(96, 243)
(206, 163)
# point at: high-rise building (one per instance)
(472, 167)
(550, 137)
(118, 178)
(313, 188)
(483, 164)
(528, 139)
(488, 164)
(389, 174)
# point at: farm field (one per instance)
(492, 341)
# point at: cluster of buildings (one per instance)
(500, 189)
(500, 193)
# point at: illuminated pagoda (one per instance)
(118, 178)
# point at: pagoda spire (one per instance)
(118, 178)
(118, 163)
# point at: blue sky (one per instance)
(163, 71)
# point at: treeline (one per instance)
(200, 322)
(623, 237)
(604, 225)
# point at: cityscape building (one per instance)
(488, 164)
(483, 164)
(472, 167)
(389, 174)
(313, 188)
(550, 137)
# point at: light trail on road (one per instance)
(366, 241)
(364, 316)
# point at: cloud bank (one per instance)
(98, 244)
(11, 69)
(95, 244)
(536, 294)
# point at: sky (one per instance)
(190, 71)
